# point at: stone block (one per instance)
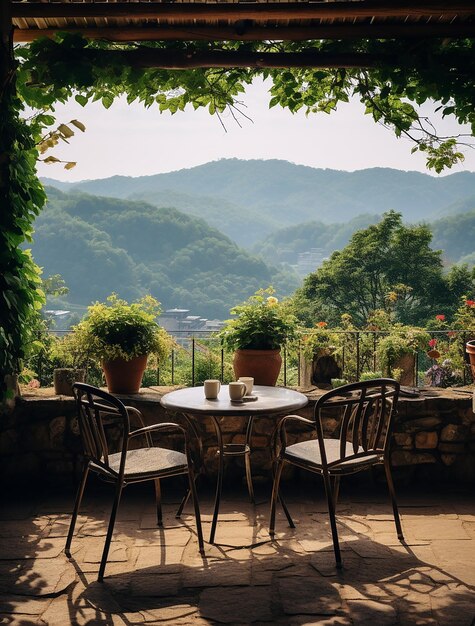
(264, 426)
(452, 448)
(406, 457)
(232, 424)
(36, 437)
(8, 441)
(74, 426)
(426, 440)
(448, 459)
(454, 432)
(403, 440)
(56, 431)
(423, 423)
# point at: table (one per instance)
(192, 403)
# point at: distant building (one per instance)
(179, 322)
(309, 261)
(57, 313)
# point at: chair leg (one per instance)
(158, 500)
(183, 504)
(196, 505)
(110, 530)
(392, 493)
(275, 492)
(336, 490)
(331, 514)
(290, 521)
(77, 504)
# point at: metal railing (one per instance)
(198, 355)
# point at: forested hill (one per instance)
(453, 235)
(100, 245)
(277, 193)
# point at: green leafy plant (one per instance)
(400, 341)
(321, 341)
(261, 323)
(117, 329)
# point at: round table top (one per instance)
(269, 400)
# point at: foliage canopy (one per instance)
(388, 266)
(407, 74)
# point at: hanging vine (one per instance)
(21, 198)
(68, 66)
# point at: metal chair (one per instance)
(100, 413)
(364, 412)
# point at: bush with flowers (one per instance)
(447, 346)
(465, 316)
(261, 323)
(321, 341)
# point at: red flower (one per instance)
(322, 324)
(470, 302)
(440, 317)
(433, 343)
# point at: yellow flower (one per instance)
(271, 301)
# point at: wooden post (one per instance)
(7, 73)
(8, 384)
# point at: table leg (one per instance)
(219, 481)
(247, 458)
(201, 469)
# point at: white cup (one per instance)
(249, 382)
(212, 388)
(237, 391)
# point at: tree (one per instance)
(387, 266)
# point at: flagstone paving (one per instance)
(156, 576)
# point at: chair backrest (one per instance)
(98, 411)
(363, 414)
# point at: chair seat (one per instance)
(308, 453)
(148, 461)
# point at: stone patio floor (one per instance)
(157, 576)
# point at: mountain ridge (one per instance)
(275, 193)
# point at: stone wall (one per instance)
(434, 436)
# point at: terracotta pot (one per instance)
(124, 376)
(407, 364)
(263, 365)
(470, 350)
(63, 379)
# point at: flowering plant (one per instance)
(321, 341)
(442, 375)
(465, 315)
(261, 323)
(116, 329)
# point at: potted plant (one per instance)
(397, 350)
(261, 326)
(68, 360)
(319, 365)
(465, 321)
(121, 336)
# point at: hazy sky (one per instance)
(134, 141)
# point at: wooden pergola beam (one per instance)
(249, 32)
(154, 58)
(242, 10)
